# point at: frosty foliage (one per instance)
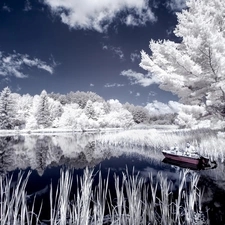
(89, 110)
(7, 109)
(43, 112)
(193, 68)
(76, 111)
(140, 114)
(46, 111)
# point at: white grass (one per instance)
(206, 142)
(13, 203)
(137, 201)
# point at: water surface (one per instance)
(46, 155)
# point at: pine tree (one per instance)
(43, 114)
(89, 110)
(7, 109)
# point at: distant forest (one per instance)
(75, 110)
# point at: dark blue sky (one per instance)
(63, 48)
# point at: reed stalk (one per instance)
(138, 201)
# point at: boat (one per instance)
(190, 160)
(184, 165)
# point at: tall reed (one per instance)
(138, 200)
(13, 202)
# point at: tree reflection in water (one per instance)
(46, 152)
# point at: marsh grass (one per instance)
(206, 141)
(13, 202)
(137, 200)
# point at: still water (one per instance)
(46, 155)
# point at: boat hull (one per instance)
(182, 158)
(189, 160)
(183, 164)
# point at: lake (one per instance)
(47, 156)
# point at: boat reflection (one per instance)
(192, 166)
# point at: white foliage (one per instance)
(43, 112)
(89, 110)
(115, 105)
(195, 110)
(7, 109)
(191, 116)
(99, 109)
(70, 115)
(24, 106)
(55, 109)
(122, 118)
(83, 122)
(194, 68)
(31, 122)
(185, 120)
(36, 100)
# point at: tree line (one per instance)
(77, 110)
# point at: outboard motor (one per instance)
(204, 162)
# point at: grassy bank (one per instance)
(133, 200)
(206, 142)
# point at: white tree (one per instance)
(194, 68)
(140, 114)
(24, 106)
(89, 110)
(71, 113)
(43, 114)
(7, 109)
(114, 105)
(121, 118)
(55, 109)
(99, 108)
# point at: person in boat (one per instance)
(174, 148)
(190, 149)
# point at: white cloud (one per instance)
(18, 88)
(105, 47)
(176, 5)
(134, 56)
(132, 20)
(113, 85)
(5, 80)
(152, 93)
(99, 14)
(13, 64)
(160, 108)
(139, 78)
(27, 6)
(6, 8)
(115, 50)
(138, 94)
(92, 85)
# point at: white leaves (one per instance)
(7, 109)
(193, 69)
(43, 113)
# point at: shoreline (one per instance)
(57, 131)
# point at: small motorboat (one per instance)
(186, 159)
